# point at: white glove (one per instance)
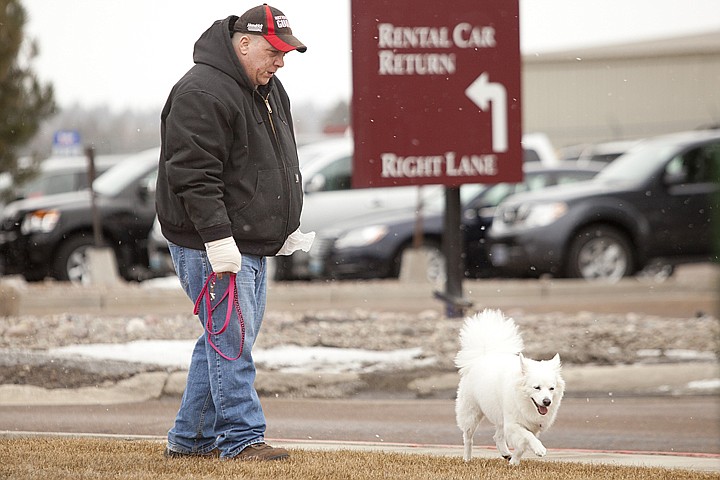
(297, 241)
(224, 255)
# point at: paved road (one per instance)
(667, 424)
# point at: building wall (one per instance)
(617, 94)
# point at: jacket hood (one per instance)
(214, 48)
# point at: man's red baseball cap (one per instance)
(272, 24)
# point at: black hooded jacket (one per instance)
(228, 158)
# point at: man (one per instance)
(228, 195)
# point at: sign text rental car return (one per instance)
(436, 93)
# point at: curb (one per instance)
(691, 291)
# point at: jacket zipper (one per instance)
(266, 99)
(269, 109)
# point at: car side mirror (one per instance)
(316, 183)
(671, 179)
(146, 190)
(487, 212)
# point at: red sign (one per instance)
(436, 92)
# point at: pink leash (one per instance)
(231, 293)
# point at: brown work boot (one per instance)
(262, 452)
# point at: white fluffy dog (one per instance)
(519, 396)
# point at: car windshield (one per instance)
(434, 200)
(638, 163)
(116, 179)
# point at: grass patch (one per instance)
(46, 458)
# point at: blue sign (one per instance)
(66, 138)
(66, 142)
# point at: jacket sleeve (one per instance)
(198, 126)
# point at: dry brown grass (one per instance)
(78, 459)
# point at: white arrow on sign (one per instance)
(482, 93)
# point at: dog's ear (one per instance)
(523, 367)
(556, 361)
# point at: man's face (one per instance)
(260, 59)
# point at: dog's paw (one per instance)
(507, 457)
(514, 461)
(540, 450)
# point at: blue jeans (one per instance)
(220, 407)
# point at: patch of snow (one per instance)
(291, 358)
(287, 358)
(171, 282)
(709, 384)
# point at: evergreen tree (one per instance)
(24, 101)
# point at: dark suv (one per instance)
(651, 206)
(48, 236)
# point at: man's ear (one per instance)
(241, 43)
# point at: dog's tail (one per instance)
(487, 333)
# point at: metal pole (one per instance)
(453, 250)
(97, 227)
(418, 235)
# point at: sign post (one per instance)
(100, 262)
(436, 95)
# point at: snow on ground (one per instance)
(285, 358)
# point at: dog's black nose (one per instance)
(547, 402)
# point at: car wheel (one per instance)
(600, 252)
(434, 262)
(436, 265)
(271, 266)
(71, 263)
(279, 268)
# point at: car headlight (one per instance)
(361, 237)
(528, 215)
(542, 214)
(40, 221)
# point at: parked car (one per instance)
(373, 245)
(597, 152)
(652, 206)
(48, 236)
(159, 260)
(65, 174)
(57, 175)
(329, 198)
(327, 173)
(6, 183)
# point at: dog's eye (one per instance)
(536, 387)
(552, 388)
